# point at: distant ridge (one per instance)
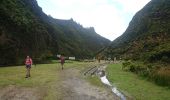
(148, 34)
(26, 30)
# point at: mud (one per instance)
(71, 86)
(13, 92)
(78, 89)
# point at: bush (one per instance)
(161, 76)
(137, 67)
(126, 65)
(163, 56)
(165, 59)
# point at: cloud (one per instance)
(110, 18)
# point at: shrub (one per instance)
(165, 59)
(126, 65)
(161, 76)
(138, 68)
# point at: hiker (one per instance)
(62, 61)
(28, 64)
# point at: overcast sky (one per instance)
(110, 18)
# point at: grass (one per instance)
(40, 75)
(137, 87)
(94, 80)
(44, 77)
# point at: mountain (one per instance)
(26, 30)
(145, 45)
(147, 36)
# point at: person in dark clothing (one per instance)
(62, 61)
(28, 64)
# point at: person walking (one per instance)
(28, 64)
(62, 61)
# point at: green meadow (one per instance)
(44, 77)
(134, 86)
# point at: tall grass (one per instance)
(134, 85)
(161, 76)
(159, 73)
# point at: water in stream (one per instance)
(114, 89)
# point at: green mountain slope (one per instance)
(26, 30)
(148, 34)
(146, 43)
(84, 40)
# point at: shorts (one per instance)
(28, 66)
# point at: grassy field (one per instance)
(94, 80)
(44, 77)
(135, 86)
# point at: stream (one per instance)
(104, 80)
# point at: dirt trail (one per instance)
(71, 86)
(13, 92)
(75, 88)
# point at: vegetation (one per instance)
(43, 77)
(146, 42)
(159, 74)
(95, 80)
(26, 30)
(135, 86)
(147, 33)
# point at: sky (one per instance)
(110, 18)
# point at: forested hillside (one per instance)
(26, 30)
(147, 36)
(146, 42)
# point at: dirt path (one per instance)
(13, 92)
(71, 86)
(75, 88)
